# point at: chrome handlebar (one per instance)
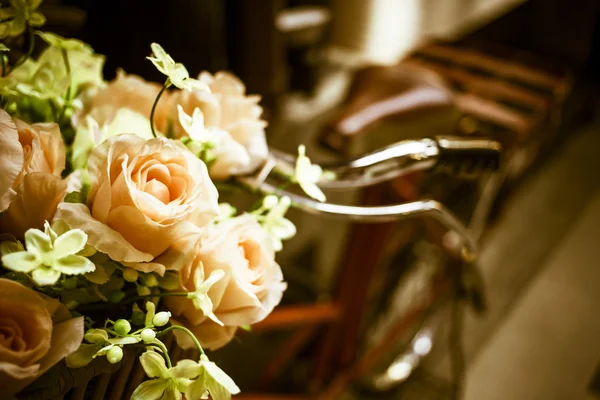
(379, 166)
(454, 155)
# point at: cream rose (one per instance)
(251, 287)
(144, 196)
(131, 97)
(36, 332)
(32, 158)
(227, 108)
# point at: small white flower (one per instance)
(194, 126)
(15, 19)
(307, 175)
(49, 254)
(176, 72)
(274, 222)
(226, 211)
(211, 380)
(200, 297)
(168, 383)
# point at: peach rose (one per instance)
(11, 158)
(36, 332)
(145, 194)
(251, 287)
(227, 108)
(43, 148)
(125, 92)
(32, 158)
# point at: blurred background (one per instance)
(349, 76)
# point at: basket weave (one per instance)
(99, 380)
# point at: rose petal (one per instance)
(36, 200)
(52, 144)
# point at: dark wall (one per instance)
(192, 31)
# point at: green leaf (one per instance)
(154, 365)
(10, 246)
(128, 121)
(73, 265)
(69, 243)
(83, 355)
(101, 275)
(125, 340)
(45, 276)
(83, 143)
(21, 261)
(3, 48)
(170, 281)
(60, 227)
(75, 197)
(150, 390)
(96, 336)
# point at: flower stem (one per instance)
(165, 86)
(151, 296)
(186, 330)
(65, 57)
(4, 64)
(53, 109)
(25, 56)
(162, 346)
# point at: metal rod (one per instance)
(377, 214)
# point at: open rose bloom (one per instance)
(109, 211)
(36, 332)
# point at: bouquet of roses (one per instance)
(109, 200)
